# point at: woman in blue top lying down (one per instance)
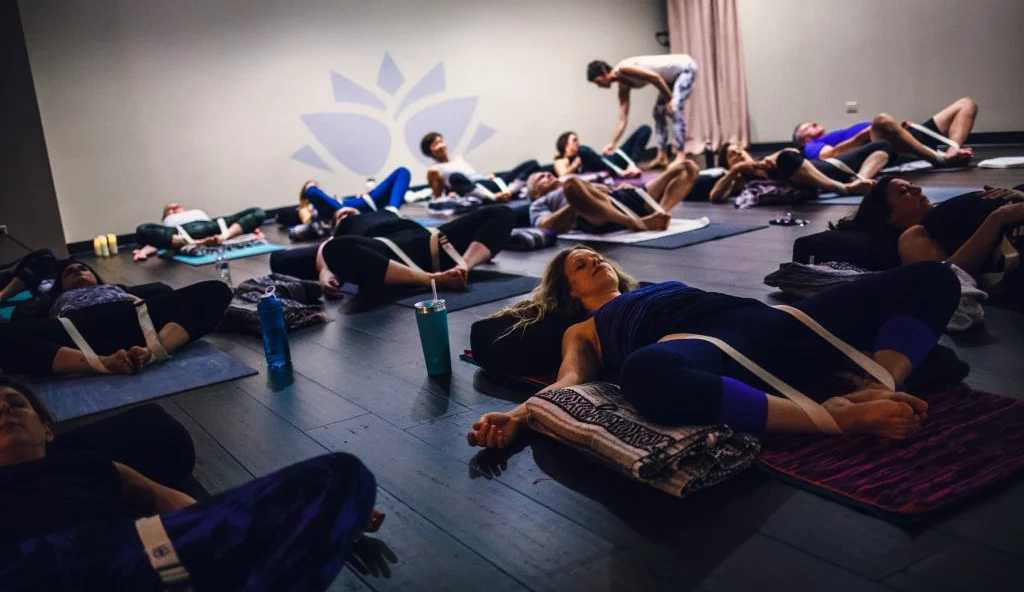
(684, 356)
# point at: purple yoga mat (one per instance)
(970, 442)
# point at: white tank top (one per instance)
(668, 66)
(459, 165)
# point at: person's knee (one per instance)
(433, 173)
(967, 104)
(643, 378)
(690, 169)
(573, 186)
(883, 121)
(403, 173)
(788, 162)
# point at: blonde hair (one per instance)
(553, 294)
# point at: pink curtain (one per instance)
(709, 31)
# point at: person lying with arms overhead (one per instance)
(683, 356)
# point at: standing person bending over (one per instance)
(179, 226)
(672, 74)
(457, 175)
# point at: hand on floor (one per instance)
(494, 430)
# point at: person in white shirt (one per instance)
(672, 74)
(459, 177)
(179, 226)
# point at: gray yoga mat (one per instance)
(484, 286)
(195, 365)
(712, 231)
(935, 195)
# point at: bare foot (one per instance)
(958, 157)
(118, 362)
(139, 356)
(139, 255)
(211, 241)
(632, 172)
(878, 412)
(859, 186)
(257, 233)
(376, 519)
(455, 278)
(655, 221)
(659, 161)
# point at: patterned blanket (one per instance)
(594, 419)
(301, 300)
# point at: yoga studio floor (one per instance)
(546, 518)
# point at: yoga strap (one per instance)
(156, 348)
(501, 183)
(161, 554)
(870, 366)
(438, 241)
(369, 201)
(607, 161)
(821, 418)
(83, 346)
(483, 191)
(842, 166)
(1006, 257)
(629, 161)
(223, 228)
(936, 136)
(623, 207)
(184, 236)
(651, 203)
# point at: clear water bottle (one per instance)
(275, 333)
(223, 268)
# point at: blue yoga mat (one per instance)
(428, 222)
(231, 254)
(7, 308)
(485, 286)
(935, 195)
(193, 366)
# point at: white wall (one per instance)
(806, 58)
(199, 101)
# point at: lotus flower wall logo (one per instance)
(362, 143)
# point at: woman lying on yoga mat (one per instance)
(644, 339)
(561, 206)
(379, 249)
(966, 230)
(573, 157)
(78, 517)
(99, 328)
(849, 174)
(314, 204)
(181, 227)
(458, 176)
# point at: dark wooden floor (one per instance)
(546, 519)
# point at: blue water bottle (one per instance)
(275, 334)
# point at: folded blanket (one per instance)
(594, 419)
(803, 280)
(301, 300)
(528, 239)
(762, 192)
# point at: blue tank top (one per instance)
(645, 315)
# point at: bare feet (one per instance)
(956, 157)
(455, 278)
(139, 356)
(878, 412)
(632, 172)
(659, 161)
(257, 233)
(211, 241)
(376, 519)
(119, 362)
(139, 255)
(859, 186)
(655, 221)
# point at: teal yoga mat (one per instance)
(230, 254)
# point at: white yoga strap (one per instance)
(821, 418)
(156, 348)
(935, 135)
(651, 203)
(484, 190)
(870, 366)
(162, 556)
(623, 207)
(608, 162)
(629, 161)
(437, 242)
(1005, 257)
(184, 236)
(369, 201)
(83, 346)
(223, 227)
(500, 183)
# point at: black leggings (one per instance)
(160, 236)
(461, 184)
(363, 260)
(29, 347)
(690, 382)
(789, 161)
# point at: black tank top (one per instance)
(952, 222)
